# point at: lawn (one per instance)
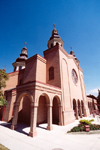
(3, 147)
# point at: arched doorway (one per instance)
(24, 113)
(42, 110)
(44, 113)
(79, 110)
(55, 111)
(82, 107)
(22, 109)
(74, 107)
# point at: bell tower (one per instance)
(55, 39)
(20, 61)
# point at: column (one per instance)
(33, 131)
(60, 115)
(14, 121)
(76, 110)
(49, 117)
(80, 111)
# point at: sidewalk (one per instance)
(57, 139)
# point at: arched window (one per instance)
(51, 73)
(20, 67)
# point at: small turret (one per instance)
(20, 61)
(72, 53)
(54, 39)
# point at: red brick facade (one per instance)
(33, 97)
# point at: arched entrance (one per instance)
(22, 109)
(24, 113)
(44, 113)
(74, 107)
(42, 110)
(57, 111)
(82, 107)
(79, 110)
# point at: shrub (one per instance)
(94, 127)
(85, 122)
(91, 120)
(81, 126)
(77, 128)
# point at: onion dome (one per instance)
(72, 53)
(23, 55)
(54, 39)
(20, 61)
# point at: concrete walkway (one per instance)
(57, 139)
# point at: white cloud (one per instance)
(93, 92)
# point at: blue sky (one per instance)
(31, 21)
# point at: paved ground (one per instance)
(57, 139)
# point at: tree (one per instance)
(3, 79)
(98, 99)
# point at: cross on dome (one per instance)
(54, 26)
(71, 48)
(25, 44)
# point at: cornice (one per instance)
(37, 56)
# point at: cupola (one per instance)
(72, 53)
(20, 61)
(54, 39)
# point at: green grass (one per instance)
(3, 147)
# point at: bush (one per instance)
(78, 128)
(94, 127)
(81, 126)
(85, 122)
(91, 120)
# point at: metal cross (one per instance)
(71, 48)
(25, 44)
(54, 25)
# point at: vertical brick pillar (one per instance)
(80, 111)
(33, 124)
(49, 117)
(60, 115)
(14, 121)
(76, 110)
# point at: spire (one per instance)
(54, 39)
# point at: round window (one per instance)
(74, 76)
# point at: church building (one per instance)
(47, 89)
